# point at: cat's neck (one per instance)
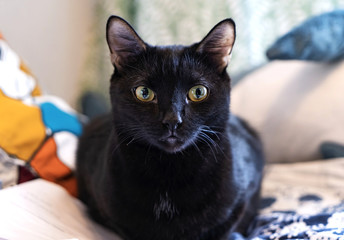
(140, 159)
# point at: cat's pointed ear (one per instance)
(124, 43)
(218, 44)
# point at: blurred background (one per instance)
(63, 41)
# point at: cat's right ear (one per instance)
(124, 43)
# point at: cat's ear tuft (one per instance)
(217, 45)
(124, 43)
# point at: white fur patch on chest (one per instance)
(165, 206)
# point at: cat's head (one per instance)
(171, 97)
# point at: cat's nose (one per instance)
(172, 120)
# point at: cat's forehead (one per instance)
(174, 64)
(171, 48)
(171, 53)
(175, 59)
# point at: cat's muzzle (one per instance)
(172, 144)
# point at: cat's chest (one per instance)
(175, 183)
(164, 207)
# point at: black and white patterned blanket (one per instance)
(302, 201)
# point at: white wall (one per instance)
(52, 38)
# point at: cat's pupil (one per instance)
(199, 92)
(145, 93)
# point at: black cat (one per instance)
(170, 162)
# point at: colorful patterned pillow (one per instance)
(38, 133)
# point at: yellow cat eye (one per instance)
(144, 94)
(198, 93)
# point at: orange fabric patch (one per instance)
(69, 183)
(21, 127)
(25, 68)
(36, 91)
(48, 166)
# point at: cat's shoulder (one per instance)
(98, 126)
(239, 125)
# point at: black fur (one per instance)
(205, 182)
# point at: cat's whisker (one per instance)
(197, 148)
(136, 137)
(216, 134)
(209, 130)
(201, 138)
(119, 144)
(211, 141)
(131, 131)
(132, 140)
(127, 132)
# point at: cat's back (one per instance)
(247, 153)
(95, 135)
(239, 129)
(92, 150)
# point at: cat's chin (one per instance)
(172, 144)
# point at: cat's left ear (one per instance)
(124, 43)
(218, 44)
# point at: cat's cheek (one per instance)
(200, 112)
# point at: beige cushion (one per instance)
(295, 106)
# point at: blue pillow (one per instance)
(331, 150)
(320, 38)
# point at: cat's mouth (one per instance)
(172, 143)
